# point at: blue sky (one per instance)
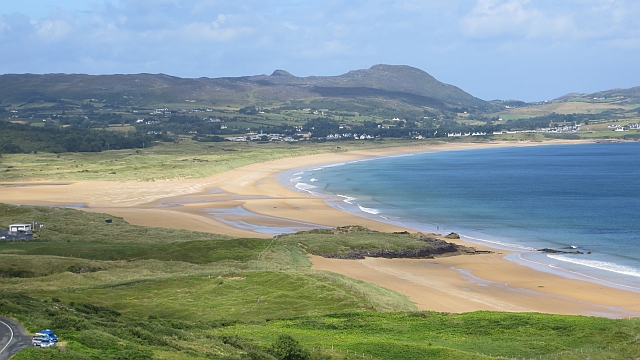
(494, 49)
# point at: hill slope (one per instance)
(399, 83)
(622, 96)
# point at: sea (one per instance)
(570, 198)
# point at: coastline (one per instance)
(251, 202)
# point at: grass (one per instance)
(243, 295)
(342, 240)
(568, 107)
(104, 332)
(175, 294)
(186, 159)
(478, 335)
(195, 252)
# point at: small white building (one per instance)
(20, 227)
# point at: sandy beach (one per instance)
(250, 202)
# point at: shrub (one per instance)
(287, 348)
(64, 322)
(98, 340)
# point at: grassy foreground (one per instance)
(119, 291)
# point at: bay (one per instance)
(582, 197)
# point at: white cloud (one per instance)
(56, 27)
(4, 26)
(493, 18)
(219, 21)
(207, 32)
(291, 26)
(566, 20)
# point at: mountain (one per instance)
(402, 84)
(398, 80)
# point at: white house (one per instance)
(20, 227)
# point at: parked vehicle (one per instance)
(51, 334)
(42, 340)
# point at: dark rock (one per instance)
(554, 251)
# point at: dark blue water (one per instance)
(557, 196)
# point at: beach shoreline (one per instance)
(251, 202)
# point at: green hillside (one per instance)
(400, 83)
(120, 291)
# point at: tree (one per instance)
(287, 348)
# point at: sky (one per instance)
(530, 50)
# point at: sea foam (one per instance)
(600, 265)
(369, 210)
(347, 199)
(500, 243)
(304, 186)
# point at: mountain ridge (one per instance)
(398, 82)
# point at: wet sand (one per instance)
(250, 202)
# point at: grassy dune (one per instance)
(172, 294)
(186, 159)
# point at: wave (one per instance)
(298, 173)
(329, 166)
(347, 199)
(369, 210)
(600, 265)
(295, 179)
(500, 243)
(313, 180)
(304, 186)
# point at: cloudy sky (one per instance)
(494, 49)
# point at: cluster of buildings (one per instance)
(555, 130)
(616, 127)
(349, 136)
(252, 136)
(471, 134)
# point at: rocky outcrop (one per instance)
(435, 248)
(554, 251)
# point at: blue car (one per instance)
(50, 333)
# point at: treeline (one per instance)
(18, 138)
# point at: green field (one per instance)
(120, 291)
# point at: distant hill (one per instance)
(402, 84)
(630, 95)
(622, 96)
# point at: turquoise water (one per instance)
(583, 196)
